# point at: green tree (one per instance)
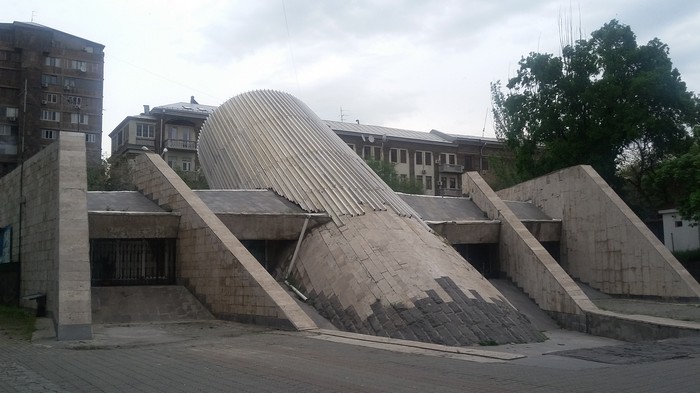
(681, 176)
(387, 172)
(602, 97)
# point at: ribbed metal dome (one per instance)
(272, 140)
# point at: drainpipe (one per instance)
(294, 258)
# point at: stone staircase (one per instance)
(129, 304)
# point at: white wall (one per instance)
(679, 234)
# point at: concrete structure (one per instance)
(50, 81)
(604, 244)
(44, 201)
(679, 234)
(376, 268)
(319, 219)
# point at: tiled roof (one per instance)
(377, 131)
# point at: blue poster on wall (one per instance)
(6, 244)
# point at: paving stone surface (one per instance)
(217, 356)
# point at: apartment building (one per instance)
(435, 160)
(169, 130)
(50, 81)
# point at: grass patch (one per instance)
(16, 323)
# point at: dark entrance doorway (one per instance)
(484, 257)
(132, 261)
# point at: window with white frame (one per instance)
(172, 132)
(50, 115)
(76, 118)
(403, 156)
(428, 182)
(453, 182)
(120, 138)
(51, 98)
(394, 156)
(428, 158)
(5, 130)
(145, 130)
(90, 138)
(49, 134)
(367, 152)
(171, 162)
(186, 166)
(377, 155)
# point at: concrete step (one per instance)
(539, 319)
(164, 303)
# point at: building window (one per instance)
(171, 163)
(47, 80)
(68, 83)
(78, 118)
(468, 164)
(5, 130)
(393, 156)
(419, 158)
(443, 182)
(51, 98)
(366, 152)
(679, 224)
(11, 112)
(428, 158)
(50, 116)
(452, 159)
(49, 134)
(484, 163)
(428, 182)
(120, 138)
(79, 65)
(352, 147)
(377, 153)
(144, 130)
(403, 177)
(403, 156)
(453, 182)
(186, 166)
(52, 61)
(172, 133)
(90, 138)
(419, 180)
(74, 100)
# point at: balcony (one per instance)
(181, 144)
(450, 168)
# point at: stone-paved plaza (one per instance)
(218, 356)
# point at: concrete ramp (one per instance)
(169, 303)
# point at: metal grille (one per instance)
(132, 261)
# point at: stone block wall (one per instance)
(54, 255)
(211, 262)
(527, 263)
(604, 244)
(386, 275)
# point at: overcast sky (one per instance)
(411, 64)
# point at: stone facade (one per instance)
(53, 250)
(211, 262)
(604, 244)
(527, 263)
